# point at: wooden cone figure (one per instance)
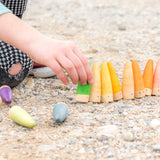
(156, 80)
(95, 91)
(83, 91)
(106, 84)
(139, 90)
(6, 94)
(116, 87)
(148, 77)
(128, 81)
(21, 117)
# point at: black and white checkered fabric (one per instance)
(10, 55)
(16, 6)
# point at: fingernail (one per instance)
(91, 81)
(76, 83)
(84, 83)
(66, 82)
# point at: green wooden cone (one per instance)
(21, 117)
(82, 93)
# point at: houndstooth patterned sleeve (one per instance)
(16, 6)
(3, 9)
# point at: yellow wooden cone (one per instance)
(106, 84)
(128, 81)
(95, 90)
(21, 117)
(116, 87)
(148, 77)
(139, 90)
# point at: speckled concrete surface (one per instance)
(104, 30)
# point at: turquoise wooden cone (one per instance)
(21, 117)
(60, 112)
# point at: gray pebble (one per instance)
(155, 123)
(45, 148)
(108, 130)
(128, 136)
(102, 138)
(122, 27)
(125, 107)
(120, 111)
(156, 148)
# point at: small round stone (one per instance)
(155, 123)
(128, 136)
(156, 148)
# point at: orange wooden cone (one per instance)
(106, 84)
(139, 90)
(156, 80)
(128, 81)
(148, 77)
(95, 91)
(117, 92)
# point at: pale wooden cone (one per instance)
(95, 91)
(128, 81)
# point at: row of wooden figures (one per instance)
(107, 88)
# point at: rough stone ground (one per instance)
(104, 30)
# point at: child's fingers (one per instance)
(85, 64)
(70, 68)
(79, 67)
(55, 66)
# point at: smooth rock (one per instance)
(125, 107)
(128, 136)
(43, 72)
(45, 147)
(120, 111)
(122, 27)
(102, 138)
(155, 123)
(156, 148)
(29, 83)
(157, 39)
(108, 130)
(78, 132)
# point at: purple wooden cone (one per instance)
(6, 94)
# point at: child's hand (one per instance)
(59, 55)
